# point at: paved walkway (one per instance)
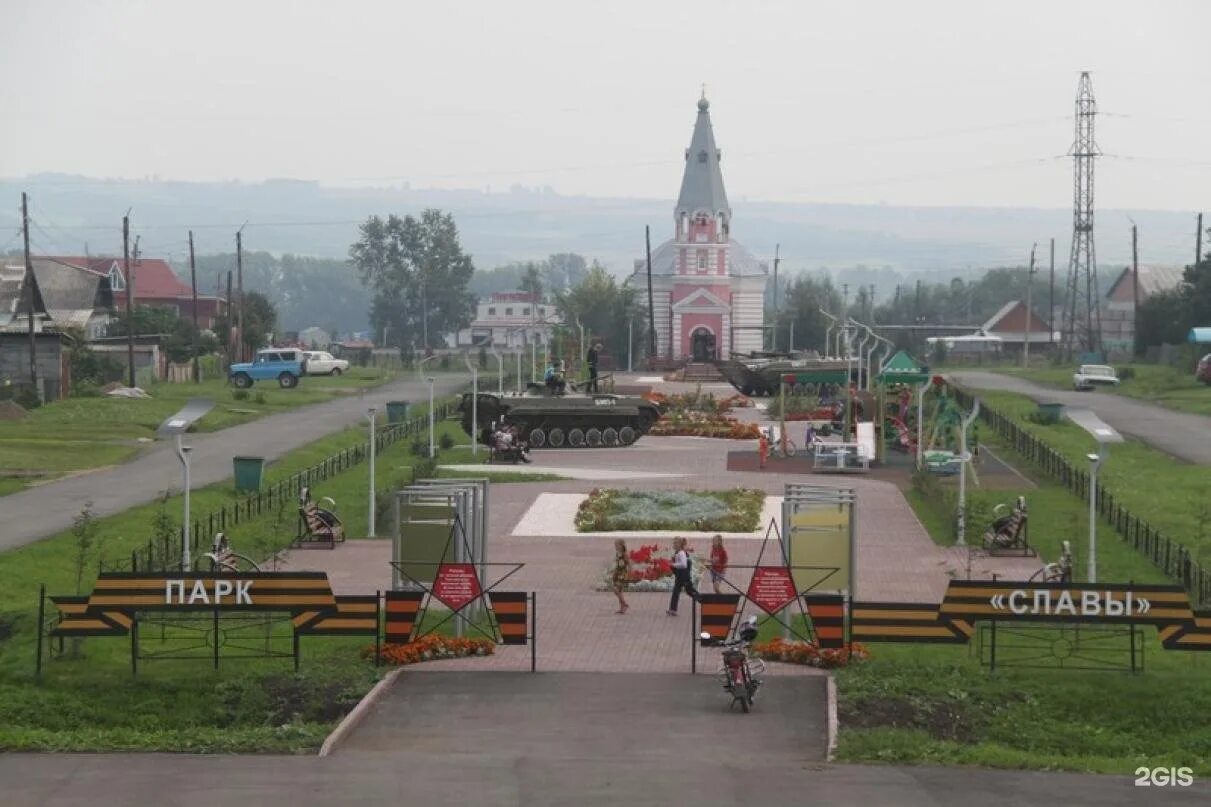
(494, 775)
(577, 627)
(45, 510)
(1180, 434)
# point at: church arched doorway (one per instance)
(702, 345)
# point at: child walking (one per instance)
(682, 574)
(621, 574)
(718, 562)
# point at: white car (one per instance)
(322, 363)
(1088, 376)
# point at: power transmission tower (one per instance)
(1082, 326)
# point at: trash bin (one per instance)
(1051, 412)
(397, 411)
(248, 472)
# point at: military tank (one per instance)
(575, 419)
(761, 373)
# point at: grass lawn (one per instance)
(737, 510)
(936, 704)
(1169, 494)
(93, 703)
(85, 433)
(1162, 384)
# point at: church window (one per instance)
(702, 260)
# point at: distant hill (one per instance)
(882, 244)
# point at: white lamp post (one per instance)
(429, 380)
(964, 458)
(370, 512)
(183, 454)
(828, 332)
(176, 427)
(500, 370)
(1104, 435)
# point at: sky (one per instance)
(928, 103)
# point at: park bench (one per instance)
(318, 527)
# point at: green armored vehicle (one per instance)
(547, 419)
(760, 373)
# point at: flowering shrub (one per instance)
(607, 510)
(429, 648)
(809, 653)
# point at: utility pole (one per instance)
(1051, 299)
(1198, 242)
(1026, 332)
(777, 260)
(1082, 327)
(30, 284)
(647, 239)
(239, 270)
(1135, 293)
(231, 348)
(193, 283)
(130, 321)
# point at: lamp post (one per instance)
(420, 366)
(1104, 435)
(500, 372)
(183, 455)
(1095, 462)
(474, 404)
(828, 332)
(630, 341)
(964, 457)
(370, 511)
(175, 427)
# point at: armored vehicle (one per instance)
(579, 420)
(761, 373)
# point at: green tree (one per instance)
(418, 274)
(260, 323)
(531, 281)
(805, 296)
(604, 307)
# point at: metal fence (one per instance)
(1169, 556)
(163, 553)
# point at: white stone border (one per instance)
(358, 713)
(833, 722)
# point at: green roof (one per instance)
(903, 369)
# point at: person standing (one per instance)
(718, 562)
(682, 574)
(621, 574)
(591, 359)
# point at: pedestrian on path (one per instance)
(718, 562)
(621, 574)
(682, 574)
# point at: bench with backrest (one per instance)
(317, 526)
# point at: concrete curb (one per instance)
(832, 719)
(358, 713)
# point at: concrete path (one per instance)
(487, 775)
(1180, 434)
(45, 510)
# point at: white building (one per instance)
(508, 319)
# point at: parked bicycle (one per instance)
(739, 675)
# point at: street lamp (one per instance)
(175, 427)
(370, 512)
(1104, 435)
(500, 371)
(428, 380)
(964, 458)
(832, 322)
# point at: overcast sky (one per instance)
(927, 103)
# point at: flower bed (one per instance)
(651, 570)
(697, 424)
(809, 653)
(430, 648)
(608, 510)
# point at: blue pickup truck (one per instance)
(287, 365)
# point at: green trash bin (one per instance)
(1051, 412)
(397, 411)
(248, 472)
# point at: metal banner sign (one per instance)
(967, 601)
(771, 588)
(111, 608)
(456, 584)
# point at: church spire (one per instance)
(702, 183)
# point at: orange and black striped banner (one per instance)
(827, 613)
(307, 596)
(402, 613)
(967, 601)
(716, 614)
(512, 609)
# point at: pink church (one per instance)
(708, 291)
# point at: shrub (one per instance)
(259, 398)
(446, 442)
(240, 394)
(1126, 373)
(419, 447)
(431, 647)
(425, 468)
